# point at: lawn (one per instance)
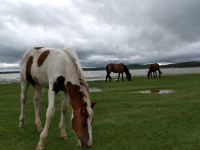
(124, 118)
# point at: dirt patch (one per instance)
(157, 91)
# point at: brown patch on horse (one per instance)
(42, 57)
(79, 121)
(116, 68)
(37, 48)
(59, 85)
(28, 71)
(75, 95)
(80, 124)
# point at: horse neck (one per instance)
(77, 102)
(126, 70)
(76, 108)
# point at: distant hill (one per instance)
(175, 65)
(182, 65)
(130, 66)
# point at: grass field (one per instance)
(124, 119)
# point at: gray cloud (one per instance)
(129, 31)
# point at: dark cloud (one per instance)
(129, 31)
(181, 18)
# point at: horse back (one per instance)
(45, 65)
(154, 67)
(116, 68)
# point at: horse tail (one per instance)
(74, 58)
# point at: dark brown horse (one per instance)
(117, 68)
(153, 68)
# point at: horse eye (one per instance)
(84, 124)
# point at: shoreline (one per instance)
(103, 79)
(14, 77)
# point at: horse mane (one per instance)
(126, 70)
(75, 60)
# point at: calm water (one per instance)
(100, 75)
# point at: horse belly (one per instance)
(40, 76)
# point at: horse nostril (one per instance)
(89, 144)
(85, 145)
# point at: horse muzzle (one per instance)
(85, 144)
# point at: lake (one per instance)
(100, 74)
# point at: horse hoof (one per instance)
(21, 126)
(39, 130)
(39, 147)
(64, 137)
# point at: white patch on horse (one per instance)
(89, 122)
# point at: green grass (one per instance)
(123, 120)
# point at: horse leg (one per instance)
(49, 115)
(106, 77)
(64, 105)
(38, 92)
(110, 79)
(159, 73)
(155, 74)
(118, 77)
(122, 76)
(24, 87)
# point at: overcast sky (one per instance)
(102, 31)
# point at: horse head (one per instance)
(128, 76)
(82, 113)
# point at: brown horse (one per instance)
(117, 68)
(153, 68)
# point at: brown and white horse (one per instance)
(153, 68)
(117, 68)
(59, 70)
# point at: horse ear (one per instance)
(93, 104)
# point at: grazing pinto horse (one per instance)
(59, 70)
(152, 69)
(117, 68)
